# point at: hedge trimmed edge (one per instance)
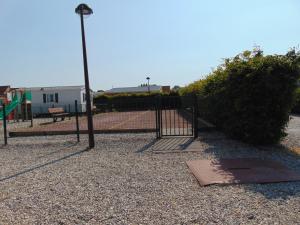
(250, 96)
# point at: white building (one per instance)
(64, 96)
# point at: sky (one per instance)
(174, 42)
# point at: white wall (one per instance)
(66, 97)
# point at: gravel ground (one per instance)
(131, 179)
(12, 125)
(52, 180)
(293, 130)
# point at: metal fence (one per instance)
(163, 115)
(41, 110)
(176, 116)
(136, 114)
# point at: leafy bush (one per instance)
(296, 108)
(250, 96)
(123, 97)
(123, 102)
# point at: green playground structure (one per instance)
(26, 95)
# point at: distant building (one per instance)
(138, 90)
(43, 98)
(5, 94)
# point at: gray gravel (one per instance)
(293, 130)
(50, 180)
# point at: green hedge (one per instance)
(250, 96)
(296, 107)
(125, 102)
(100, 99)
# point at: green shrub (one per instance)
(123, 97)
(125, 102)
(250, 96)
(296, 107)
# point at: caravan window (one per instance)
(51, 98)
(44, 98)
(83, 97)
(56, 97)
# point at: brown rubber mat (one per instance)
(241, 170)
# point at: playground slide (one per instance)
(11, 106)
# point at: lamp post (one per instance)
(85, 10)
(148, 78)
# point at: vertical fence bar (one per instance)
(166, 123)
(186, 120)
(170, 114)
(183, 119)
(178, 120)
(156, 118)
(69, 111)
(159, 117)
(31, 117)
(195, 116)
(26, 108)
(4, 125)
(174, 108)
(77, 122)
(193, 119)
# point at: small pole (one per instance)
(159, 116)
(77, 122)
(26, 108)
(195, 116)
(156, 117)
(4, 125)
(69, 111)
(31, 116)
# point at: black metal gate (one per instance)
(176, 116)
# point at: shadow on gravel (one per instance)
(167, 144)
(61, 149)
(220, 146)
(2, 146)
(147, 146)
(43, 165)
(46, 123)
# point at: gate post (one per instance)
(77, 122)
(158, 117)
(157, 125)
(195, 116)
(31, 117)
(4, 125)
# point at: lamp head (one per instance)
(83, 9)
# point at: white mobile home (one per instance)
(63, 96)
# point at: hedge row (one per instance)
(250, 96)
(296, 107)
(125, 102)
(102, 99)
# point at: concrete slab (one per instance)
(241, 170)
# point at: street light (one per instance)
(85, 10)
(148, 78)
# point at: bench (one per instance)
(57, 113)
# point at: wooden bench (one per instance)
(57, 113)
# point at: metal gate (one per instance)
(176, 116)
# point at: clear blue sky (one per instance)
(173, 41)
